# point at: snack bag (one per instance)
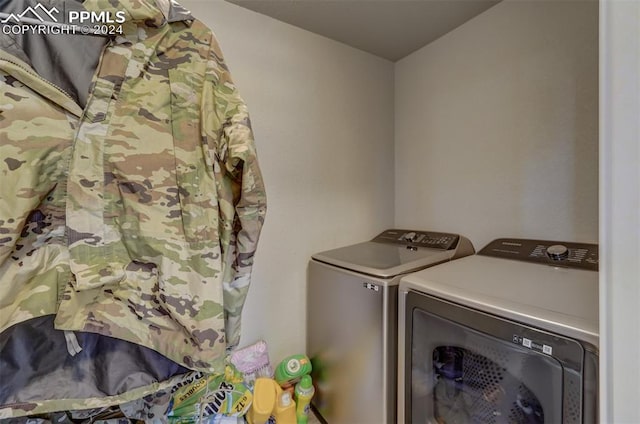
(211, 395)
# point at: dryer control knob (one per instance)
(558, 252)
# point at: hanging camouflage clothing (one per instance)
(129, 218)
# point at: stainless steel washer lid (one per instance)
(396, 252)
(558, 299)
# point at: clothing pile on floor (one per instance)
(250, 390)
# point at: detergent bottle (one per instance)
(304, 392)
(285, 412)
(291, 369)
(265, 395)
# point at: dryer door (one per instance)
(465, 366)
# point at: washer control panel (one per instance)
(415, 238)
(566, 254)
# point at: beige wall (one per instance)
(322, 114)
(496, 126)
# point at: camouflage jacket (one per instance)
(128, 226)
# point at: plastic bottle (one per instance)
(285, 412)
(304, 393)
(291, 369)
(265, 395)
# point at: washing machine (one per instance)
(509, 335)
(352, 320)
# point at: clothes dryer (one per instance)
(352, 320)
(509, 335)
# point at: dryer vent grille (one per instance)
(471, 388)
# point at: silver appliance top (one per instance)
(549, 285)
(395, 252)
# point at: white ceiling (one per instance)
(390, 29)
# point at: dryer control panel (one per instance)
(414, 238)
(566, 254)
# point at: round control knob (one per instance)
(558, 252)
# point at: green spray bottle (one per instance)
(304, 392)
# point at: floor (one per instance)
(313, 419)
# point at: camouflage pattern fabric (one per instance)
(138, 217)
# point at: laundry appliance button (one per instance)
(558, 252)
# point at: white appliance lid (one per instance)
(555, 298)
(394, 252)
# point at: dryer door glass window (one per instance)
(459, 375)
